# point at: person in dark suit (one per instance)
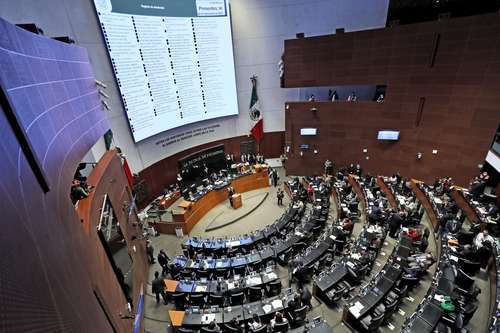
(158, 287)
(275, 178)
(230, 192)
(163, 261)
(305, 296)
(150, 252)
(394, 224)
(280, 195)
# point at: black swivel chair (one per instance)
(240, 270)
(222, 273)
(237, 298)
(280, 327)
(299, 316)
(254, 294)
(179, 300)
(274, 288)
(227, 328)
(371, 323)
(197, 300)
(216, 300)
(207, 330)
(262, 329)
(184, 330)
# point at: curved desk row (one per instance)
(244, 240)
(190, 212)
(195, 318)
(225, 286)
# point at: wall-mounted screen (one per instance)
(308, 131)
(173, 61)
(388, 135)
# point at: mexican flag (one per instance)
(255, 113)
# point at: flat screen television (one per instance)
(389, 135)
(308, 131)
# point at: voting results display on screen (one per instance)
(173, 61)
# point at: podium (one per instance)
(236, 199)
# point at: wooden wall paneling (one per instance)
(451, 106)
(163, 173)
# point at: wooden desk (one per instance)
(464, 205)
(425, 203)
(189, 216)
(185, 204)
(167, 201)
(171, 285)
(176, 317)
(236, 199)
(388, 192)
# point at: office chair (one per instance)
(280, 327)
(255, 293)
(371, 323)
(184, 330)
(240, 270)
(299, 316)
(221, 273)
(468, 311)
(237, 299)
(197, 300)
(226, 328)
(216, 300)
(185, 274)
(274, 288)
(262, 329)
(469, 267)
(203, 274)
(207, 330)
(179, 300)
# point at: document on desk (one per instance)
(207, 318)
(230, 285)
(218, 264)
(267, 308)
(356, 309)
(277, 304)
(254, 280)
(201, 289)
(272, 276)
(234, 243)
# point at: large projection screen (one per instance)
(173, 61)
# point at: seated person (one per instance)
(305, 296)
(293, 305)
(482, 237)
(255, 322)
(347, 225)
(214, 327)
(278, 319)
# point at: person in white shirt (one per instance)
(481, 238)
(278, 318)
(352, 97)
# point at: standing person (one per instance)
(150, 250)
(280, 196)
(158, 287)
(230, 192)
(163, 261)
(310, 192)
(275, 177)
(394, 224)
(305, 296)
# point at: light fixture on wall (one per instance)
(315, 151)
(301, 153)
(365, 150)
(419, 156)
(287, 106)
(287, 149)
(313, 109)
(434, 152)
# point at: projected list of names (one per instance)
(172, 71)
